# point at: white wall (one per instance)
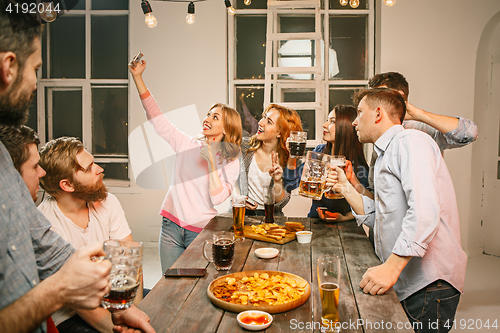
(433, 43)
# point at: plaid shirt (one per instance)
(29, 251)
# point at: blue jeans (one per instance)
(432, 309)
(173, 241)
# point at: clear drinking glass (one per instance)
(126, 272)
(312, 182)
(239, 202)
(335, 160)
(329, 290)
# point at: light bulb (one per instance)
(247, 2)
(48, 14)
(190, 15)
(229, 8)
(344, 2)
(390, 3)
(150, 20)
(354, 3)
(190, 19)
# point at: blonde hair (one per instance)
(288, 120)
(58, 159)
(230, 144)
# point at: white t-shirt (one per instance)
(257, 179)
(106, 221)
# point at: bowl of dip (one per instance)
(254, 320)
(266, 252)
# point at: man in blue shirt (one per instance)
(39, 271)
(413, 214)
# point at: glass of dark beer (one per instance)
(222, 254)
(269, 204)
(126, 271)
(239, 202)
(296, 143)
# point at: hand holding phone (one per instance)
(185, 272)
(136, 59)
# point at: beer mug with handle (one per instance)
(126, 272)
(312, 182)
(222, 254)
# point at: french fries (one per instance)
(275, 231)
(260, 290)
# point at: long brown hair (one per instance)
(230, 144)
(346, 139)
(288, 120)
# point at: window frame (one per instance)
(326, 82)
(85, 84)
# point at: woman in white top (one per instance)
(264, 157)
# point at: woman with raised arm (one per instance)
(263, 157)
(341, 139)
(205, 171)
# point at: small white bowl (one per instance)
(304, 236)
(266, 252)
(256, 314)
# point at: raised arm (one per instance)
(443, 124)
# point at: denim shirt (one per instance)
(415, 211)
(29, 251)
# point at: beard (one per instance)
(14, 112)
(90, 193)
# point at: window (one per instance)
(347, 58)
(83, 83)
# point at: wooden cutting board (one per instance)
(276, 308)
(249, 233)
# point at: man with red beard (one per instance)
(82, 211)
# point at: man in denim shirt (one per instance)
(414, 214)
(39, 271)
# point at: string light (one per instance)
(354, 3)
(247, 2)
(230, 8)
(390, 3)
(149, 18)
(49, 13)
(344, 2)
(190, 15)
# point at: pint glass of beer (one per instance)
(329, 281)
(313, 178)
(126, 272)
(335, 160)
(222, 250)
(239, 216)
(296, 143)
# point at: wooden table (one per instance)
(182, 305)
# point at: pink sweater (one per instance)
(188, 202)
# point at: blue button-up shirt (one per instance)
(29, 251)
(415, 211)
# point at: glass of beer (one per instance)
(296, 143)
(329, 282)
(222, 250)
(239, 202)
(335, 160)
(126, 272)
(269, 204)
(313, 178)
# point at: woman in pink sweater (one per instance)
(205, 171)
